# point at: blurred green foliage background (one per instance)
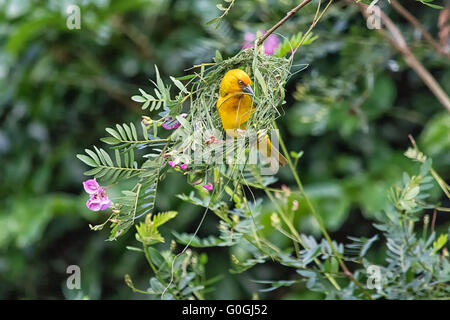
(350, 112)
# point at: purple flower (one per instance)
(208, 186)
(99, 201)
(249, 38)
(91, 186)
(172, 164)
(270, 44)
(172, 124)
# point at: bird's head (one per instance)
(236, 81)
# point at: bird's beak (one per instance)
(248, 89)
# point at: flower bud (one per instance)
(146, 120)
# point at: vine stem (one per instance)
(319, 220)
(282, 21)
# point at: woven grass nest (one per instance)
(269, 75)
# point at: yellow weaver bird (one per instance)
(235, 106)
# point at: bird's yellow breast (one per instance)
(234, 110)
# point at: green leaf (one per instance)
(146, 104)
(159, 82)
(107, 158)
(138, 98)
(122, 132)
(179, 85)
(289, 44)
(239, 267)
(412, 193)
(188, 77)
(162, 217)
(128, 131)
(156, 285)
(440, 242)
(212, 21)
(93, 156)
(220, 7)
(118, 160)
(110, 140)
(275, 284)
(296, 155)
(186, 280)
(133, 131)
(196, 242)
(184, 123)
(179, 259)
(114, 133)
(144, 131)
(93, 171)
(331, 265)
(435, 137)
(218, 57)
(157, 259)
(134, 249)
(261, 81)
(87, 160)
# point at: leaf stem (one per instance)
(319, 220)
(296, 237)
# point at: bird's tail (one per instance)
(275, 158)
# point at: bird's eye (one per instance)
(240, 82)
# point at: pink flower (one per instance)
(294, 205)
(176, 125)
(146, 120)
(99, 201)
(270, 44)
(208, 186)
(91, 186)
(181, 166)
(212, 139)
(172, 164)
(249, 38)
(286, 189)
(172, 124)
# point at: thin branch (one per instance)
(320, 222)
(433, 220)
(398, 42)
(282, 21)
(416, 23)
(315, 20)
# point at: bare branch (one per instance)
(282, 21)
(397, 40)
(416, 23)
